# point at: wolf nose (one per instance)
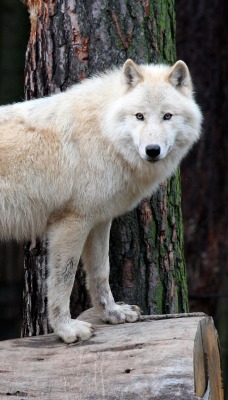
(153, 150)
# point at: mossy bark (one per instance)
(69, 41)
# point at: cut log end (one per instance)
(207, 364)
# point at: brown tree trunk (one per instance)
(69, 41)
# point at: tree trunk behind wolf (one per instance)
(69, 41)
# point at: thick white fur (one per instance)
(71, 162)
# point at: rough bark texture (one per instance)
(34, 298)
(147, 255)
(69, 41)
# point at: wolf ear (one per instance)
(131, 74)
(180, 78)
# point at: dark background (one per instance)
(202, 42)
(14, 33)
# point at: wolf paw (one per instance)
(121, 313)
(72, 330)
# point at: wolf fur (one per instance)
(71, 162)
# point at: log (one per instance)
(156, 358)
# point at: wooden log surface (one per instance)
(165, 359)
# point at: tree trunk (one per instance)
(69, 41)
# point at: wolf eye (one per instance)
(167, 116)
(139, 116)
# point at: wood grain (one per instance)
(145, 360)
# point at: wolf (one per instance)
(71, 162)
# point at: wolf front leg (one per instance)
(66, 240)
(96, 264)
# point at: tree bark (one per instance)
(69, 41)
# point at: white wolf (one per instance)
(71, 162)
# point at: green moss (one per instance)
(159, 298)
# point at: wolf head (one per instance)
(156, 111)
